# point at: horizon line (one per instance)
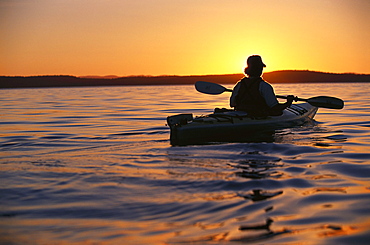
(173, 75)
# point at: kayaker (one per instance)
(254, 95)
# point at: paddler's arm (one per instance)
(277, 110)
(234, 94)
(267, 91)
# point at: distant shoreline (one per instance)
(288, 76)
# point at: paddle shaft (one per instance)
(277, 96)
(285, 97)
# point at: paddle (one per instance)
(210, 88)
(319, 101)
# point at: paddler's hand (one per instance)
(290, 99)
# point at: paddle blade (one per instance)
(326, 102)
(210, 88)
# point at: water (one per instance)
(94, 165)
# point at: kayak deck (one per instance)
(232, 126)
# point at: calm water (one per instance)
(94, 166)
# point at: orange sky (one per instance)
(181, 37)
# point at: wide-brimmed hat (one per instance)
(255, 60)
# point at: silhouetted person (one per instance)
(254, 95)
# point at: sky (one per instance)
(181, 37)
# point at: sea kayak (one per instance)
(232, 125)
